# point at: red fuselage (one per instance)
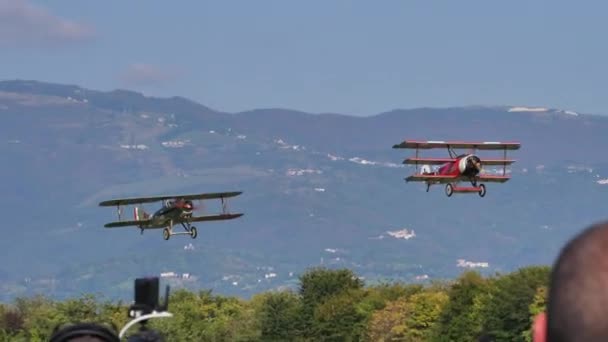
(463, 165)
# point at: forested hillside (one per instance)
(329, 305)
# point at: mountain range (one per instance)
(318, 189)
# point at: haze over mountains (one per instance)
(318, 189)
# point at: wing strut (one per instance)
(224, 206)
(504, 166)
(416, 158)
(119, 211)
(452, 153)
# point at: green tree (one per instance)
(337, 318)
(278, 315)
(318, 285)
(376, 297)
(389, 323)
(538, 305)
(83, 309)
(408, 318)
(114, 314)
(461, 319)
(507, 311)
(201, 317)
(12, 321)
(424, 309)
(41, 317)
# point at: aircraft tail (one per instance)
(139, 214)
(426, 170)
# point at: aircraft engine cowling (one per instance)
(469, 165)
(187, 207)
(462, 164)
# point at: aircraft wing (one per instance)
(431, 178)
(138, 200)
(450, 179)
(427, 161)
(120, 224)
(441, 161)
(217, 217)
(492, 179)
(485, 145)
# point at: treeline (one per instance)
(330, 305)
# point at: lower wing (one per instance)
(119, 224)
(450, 179)
(492, 179)
(218, 217)
(431, 178)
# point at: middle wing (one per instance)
(450, 179)
(138, 200)
(440, 161)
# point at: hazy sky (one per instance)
(352, 57)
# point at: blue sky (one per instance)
(351, 57)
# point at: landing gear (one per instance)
(449, 189)
(482, 190)
(189, 230)
(428, 187)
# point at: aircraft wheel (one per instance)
(193, 232)
(166, 234)
(449, 190)
(482, 190)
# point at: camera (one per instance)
(146, 297)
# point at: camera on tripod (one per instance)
(146, 306)
(146, 297)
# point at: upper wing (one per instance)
(125, 223)
(450, 179)
(440, 161)
(486, 145)
(217, 217)
(137, 200)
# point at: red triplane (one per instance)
(457, 168)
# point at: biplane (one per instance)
(175, 210)
(458, 168)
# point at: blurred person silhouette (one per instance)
(84, 332)
(577, 303)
